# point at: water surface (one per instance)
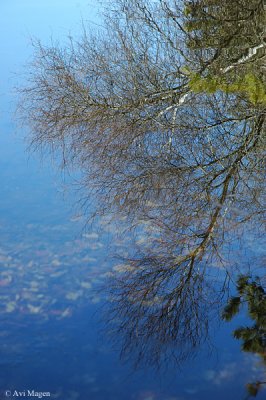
(52, 335)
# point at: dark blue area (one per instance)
(58, 343)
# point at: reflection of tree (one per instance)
(251, 293)
(162, 139)
(133, 108)
(160, 308)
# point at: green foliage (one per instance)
(253, 294)
(231, 309)
(214, 23)
(187, 10)
(222, 34)
(242, 284)
(254, 87)
(248, 85)
(253, 338)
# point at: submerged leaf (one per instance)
(10, 307)
(74, 295)
(34, 309)
(85, 285)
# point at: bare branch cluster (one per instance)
(120, 105)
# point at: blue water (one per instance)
(52, 332)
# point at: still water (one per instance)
(53, 337)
